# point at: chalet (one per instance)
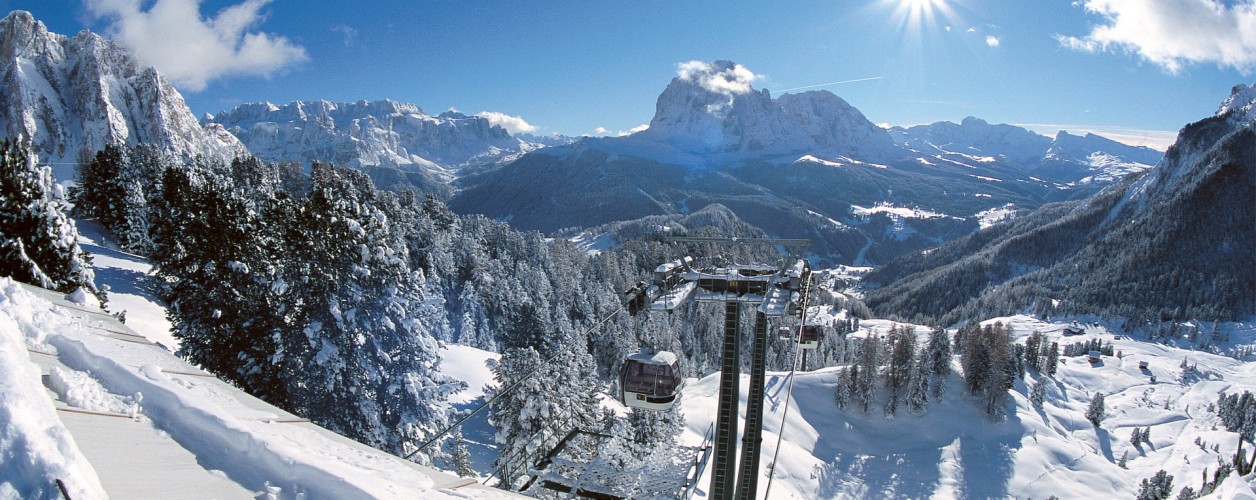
(1074, 328)
(1094, 356)
(1142, 365)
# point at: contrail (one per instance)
(833, 83)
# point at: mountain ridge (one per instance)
(71, 96)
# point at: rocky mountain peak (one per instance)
(713, 108)
(1241, 105)
(72, 96)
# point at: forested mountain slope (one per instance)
(1173, 243)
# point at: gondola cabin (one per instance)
(785, 333)
(650, 380)
(810, 337)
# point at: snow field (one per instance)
(231, 434)
(954, 450)
(36, 448)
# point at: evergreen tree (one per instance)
(1095, 412)
(902, 360)
(460, 456)
(868, 363)
(939, 361)
(1038, 393)
(918, 387)
(1158, 487)
(38, 241)
(841, 393)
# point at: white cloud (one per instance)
(600, 131)
(347, 33)
(192, 50)
(633, 130)
(992, 40)
(1174, 33)
(721, 77)
(512, 124)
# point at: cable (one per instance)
(789, 391)
(507, 390)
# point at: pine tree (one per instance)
(841, 393)
(1038, 393)
(1124, 457)
(918, 387)
(1158, 487)
(460, 456)
(939, 361)
(868, 364)
(38, 241)
(1053, 359)
(1095, 412)
(1136, 437)
(902, 359)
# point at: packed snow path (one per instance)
(88, 401)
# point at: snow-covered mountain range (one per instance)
(798, 166)
(1173, 242)
(370, 134)
(1066, 158)
(70, 96)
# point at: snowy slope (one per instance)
(953, 450)
(237, 441)
(70, 96)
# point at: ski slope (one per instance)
(954, 451)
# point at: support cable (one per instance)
(789, 391)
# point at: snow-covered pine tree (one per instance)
(1038, 393)
(363, 363)
(939, 360)
(38, 241)
(918, 387)
(101, 188)
(845, 383)
(216, 269)
(868, 363)
(1158, 487)
(1095, 412)
(460, 456)
(902, 360)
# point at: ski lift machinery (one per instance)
(650, 379)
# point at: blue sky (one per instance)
(1133, 69)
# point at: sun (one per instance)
(915, 16)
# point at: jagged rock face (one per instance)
(714, 111)
(366, 134)
(72, 96)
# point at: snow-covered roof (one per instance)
(652, 357)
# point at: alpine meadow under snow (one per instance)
(358, 299)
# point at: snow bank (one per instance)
(36, 449)
(253, 444)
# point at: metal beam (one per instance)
(724, 471)
(752, 436)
